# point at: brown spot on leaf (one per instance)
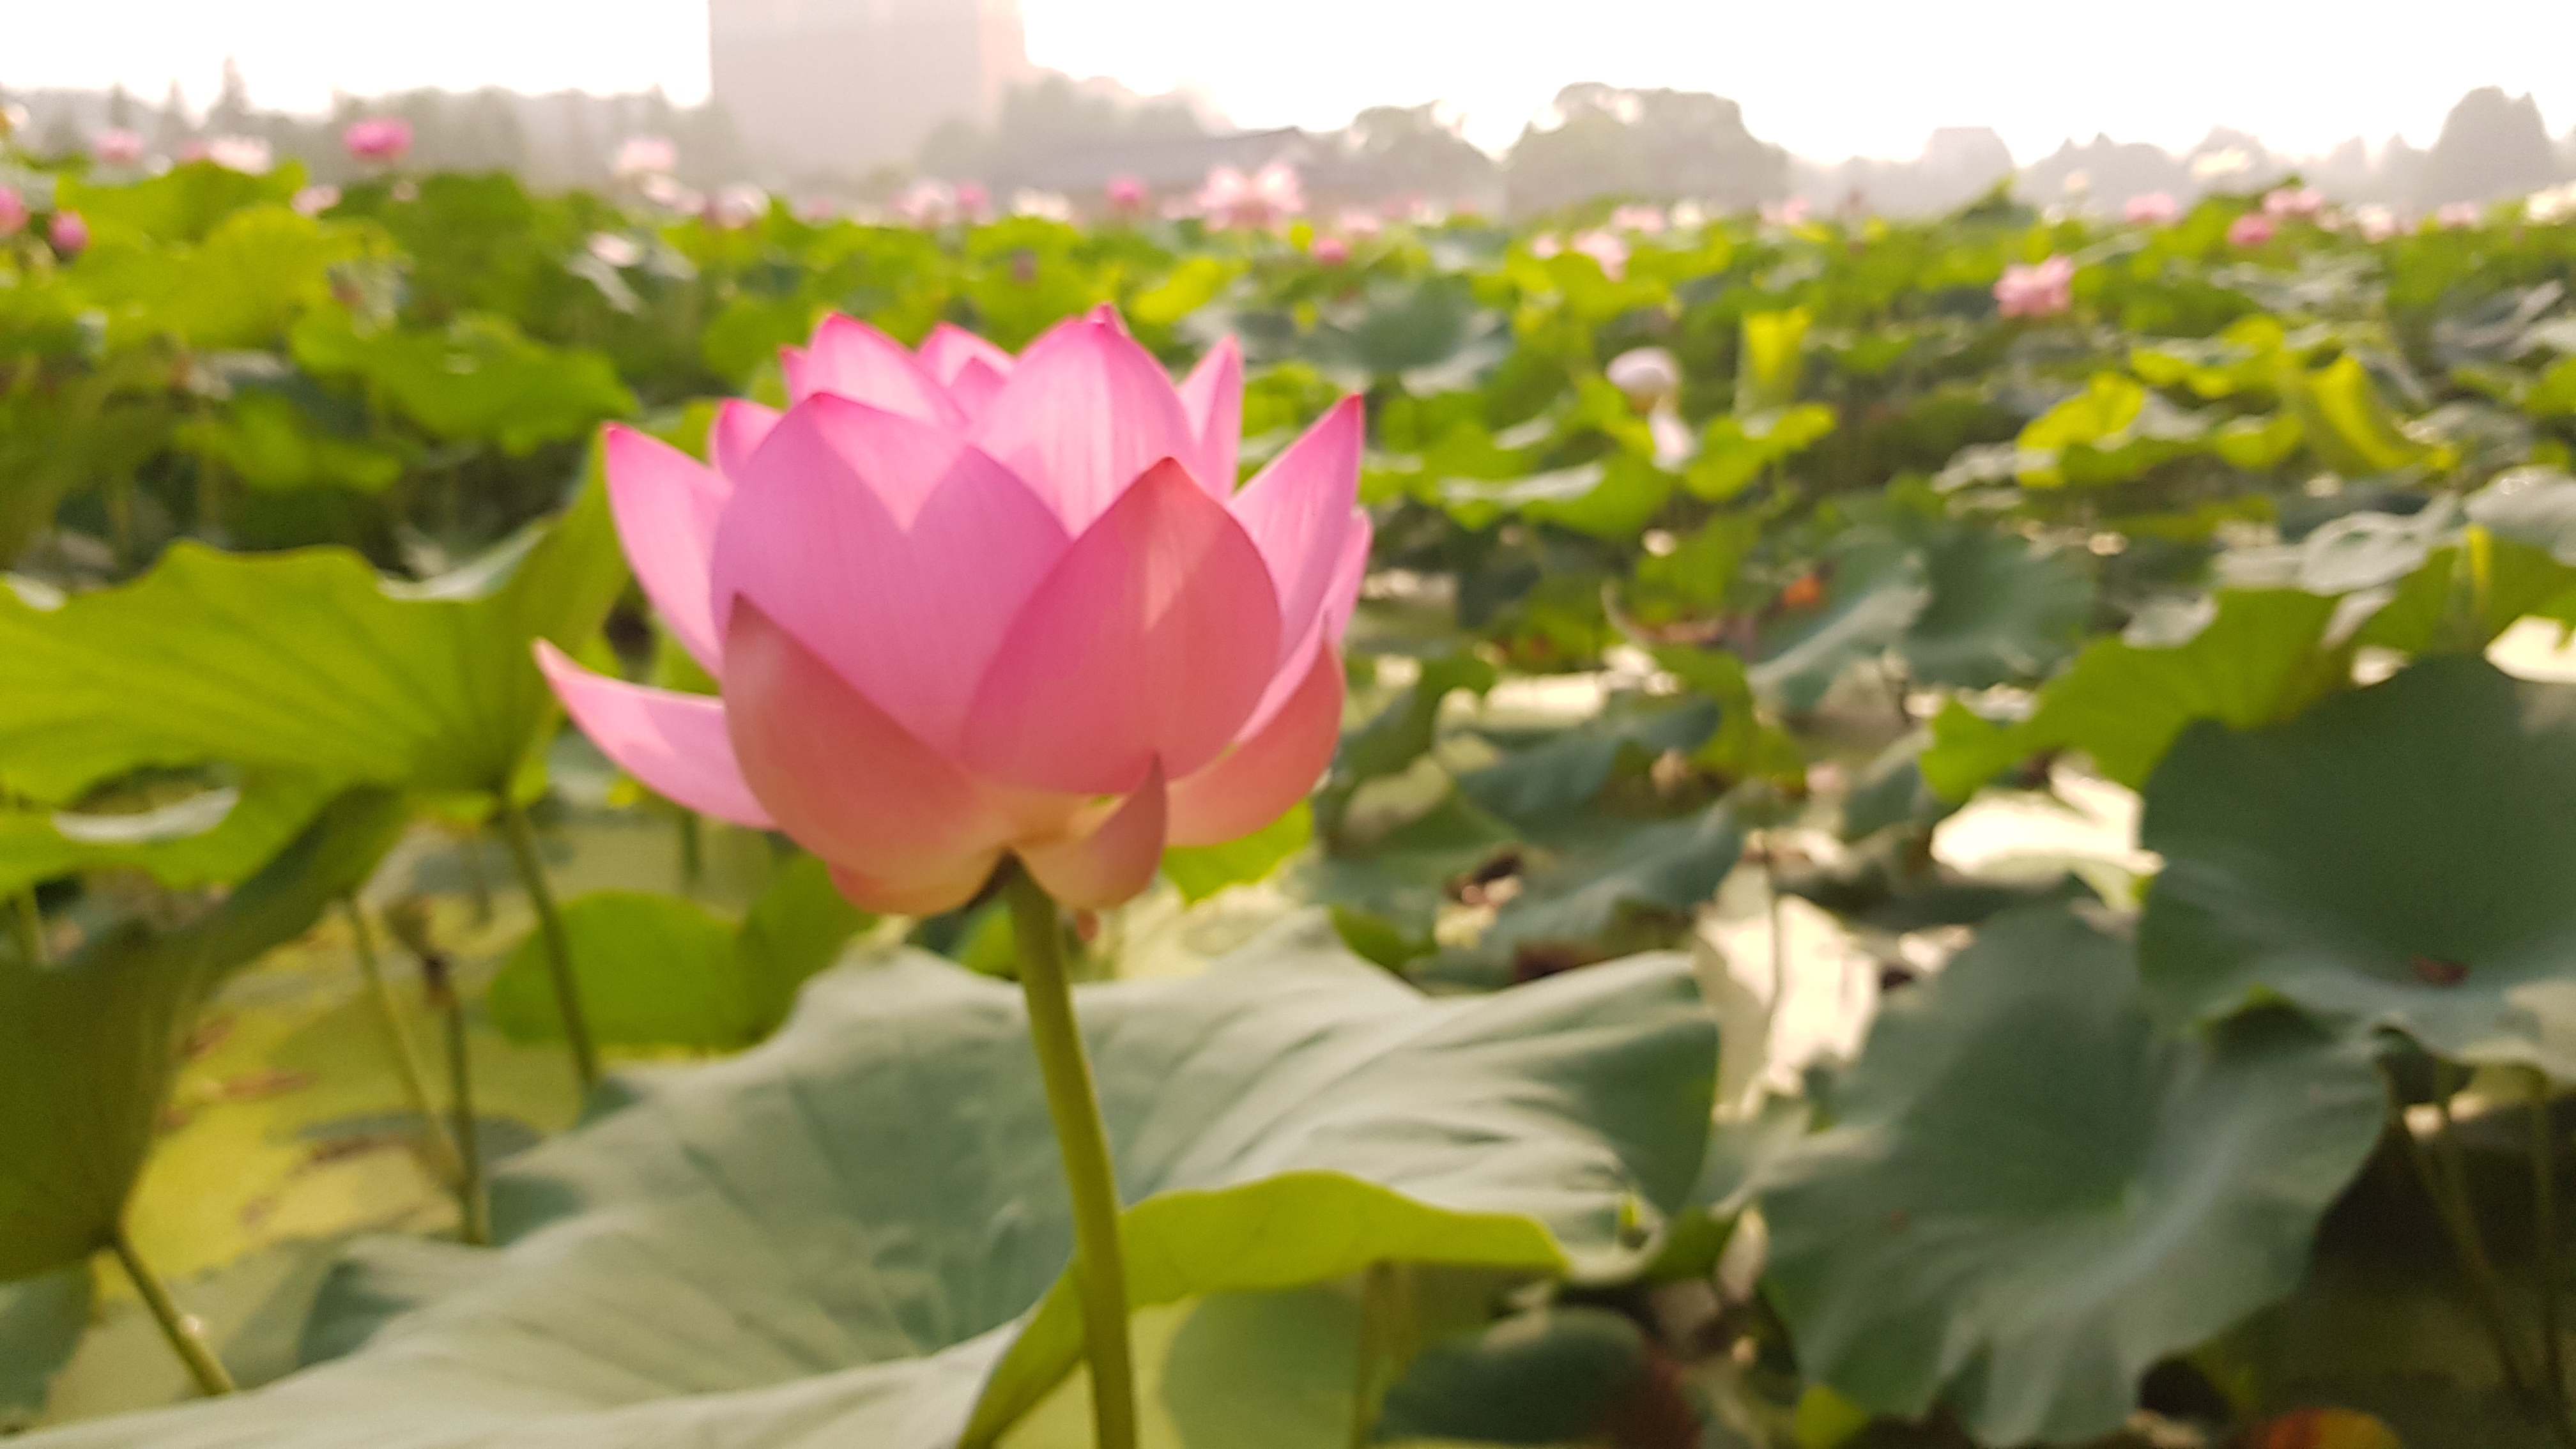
(2437, 970)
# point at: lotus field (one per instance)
(626, 826)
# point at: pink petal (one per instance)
(927, 898)
(1344, 594)
(1325, 633)
(949, 348)
(1112, 864)
(740, 427)
(1255, 782)
(841, 776)
(666, 504)
(854, 360)
(974, 389)
(893, 551)
(675, 743)
(1212, 396)
(1152, 638)
(1083, 414)
(1298, 511)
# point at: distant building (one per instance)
(838, 87)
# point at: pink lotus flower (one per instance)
(646, 156)
(1648, 376)
(927, 202)
(117, 146)
(248, 155)
(378, 140)
(13, 211)
(1265, 198)
(1641, 219)
(2378, 223)
(1127, 193)
(2046, 290)
(69, 234)
(315, 200)
(1359, 222)
(737, 206)
(974, 203)
(2155, 208)
(2303, 201)
(1792, 212)
(1608, 250)
(2250, 230)
(2459, 215)
(1329, 251)
(963, 604)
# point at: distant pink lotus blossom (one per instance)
(1647, 376)
(927, 202)
(117, 146)
(1329, 251)
(2155, 208)
(2459, 215)
(2045, 290)
(1608, 250)
(974, 202)
(963, 605)
(646, 156)
(2252, 229)
(2378, 223)
(248, 155)
(378, 140)
(13, 211)
(660, 189)
(1643, 220)
(1360, 222)
(737, 206)
(1792, 212)
(818, 210)
(69, 234)
(1263, 199)
(315, 200)
(2299, 201)
(1127, 193)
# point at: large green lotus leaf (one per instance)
(214, 837)
(2002, 609)
(828, 1240)
(182, 204)
(240, 287)
(481, 380)
(2395, 857)
(305, 662)
(1566, 771)
(41, 1323)
(91, 1044)
(2029, 1195)
(1579, 896)
(1875, 586)
(2258, 659)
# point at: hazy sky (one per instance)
(1825, 77)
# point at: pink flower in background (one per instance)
(117, 146)
(2378, 223)
(2250, 230)
(974, 203)
(646, 156)
(1647, 376)
(2155, 208)
(1792, 212)
(2459, 215)
(1329, 251)
(248, 155)
(738, 206)
(69, 234)
(1643, 220)
(1266, 197)
(927, 202)
(1358, 222)
(2300, 201)
(963, 604)
(315, 200)
(2045, 290)
(1608, 250)
(1127, 193)
(378, 140)
(13, 211)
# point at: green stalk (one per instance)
(472, 1205)
(1377, 1287)
(1099, 1263)
(2544, 1220)
(29, 919)
(187, 1337)
(2459, 1224)
(532, 876)
(441, 1148)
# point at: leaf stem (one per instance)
(532, 876)
(435, 1141)
(2544, 1222)
(29, 920)
(473, 1205)
(187, 1336)
(1377, 1287)
(1099, 1262)
(2459, 1224)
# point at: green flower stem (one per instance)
(532, 876)
(473, 1205)
(443, 1161)
(2544, 1221)
(2459, 1223)
(1377, 1292)
(1099, 1264)
(187, 1338)
(29, 920)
